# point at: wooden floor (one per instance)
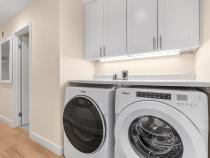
(14, 143)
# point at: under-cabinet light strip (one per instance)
(141, 56)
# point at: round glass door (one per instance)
(150, 129)
(84, 125)
(153, 137)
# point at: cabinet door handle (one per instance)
(161, 42)
(100, 51)
(154, 43)
(104, 51)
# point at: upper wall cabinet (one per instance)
(131, 27)
(6, 61)
(162, 25)
(105, 28)
(179, 24)
(114, 28)
(142, 26)
(93, 29)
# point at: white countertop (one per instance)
(163, 83)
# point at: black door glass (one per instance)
(152, 137)
(83, 125)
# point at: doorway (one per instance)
(24, 78)
(21, 77)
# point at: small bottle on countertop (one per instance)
(125, 74)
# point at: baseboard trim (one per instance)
(58, 150)
(7, 121)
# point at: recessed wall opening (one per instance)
(22, 69)
(24, 79)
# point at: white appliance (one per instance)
(88, 121)
(161, 123)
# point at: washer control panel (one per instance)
(187, 104)
(181, 97)
(188, 101)
(164, 96)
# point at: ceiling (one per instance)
(9, 8)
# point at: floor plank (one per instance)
(15, 143)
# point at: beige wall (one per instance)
(168, 65)
(6, 101)
(46, 114)
(206, 19)
(5, 98)
(202, 62)
(72, 64)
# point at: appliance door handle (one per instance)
(100, 51)
(104, 51)
(161, 42)
(82, 127)
(154, 44)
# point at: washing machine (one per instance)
(88, 121)
(161, 123)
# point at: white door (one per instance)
(155, 129)
(178, 24)
(25, 80)
(114, 28)
(142, 26)
(93, 29)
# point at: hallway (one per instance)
(14, 143)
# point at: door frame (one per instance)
(16, 74)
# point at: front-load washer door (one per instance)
(84, 124)
(150, 129)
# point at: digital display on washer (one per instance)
(182, 97)
(154, 95)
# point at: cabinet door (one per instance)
(6, 61)
(93, 28)
(114, 28)
(142, 26)
(178, 24)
